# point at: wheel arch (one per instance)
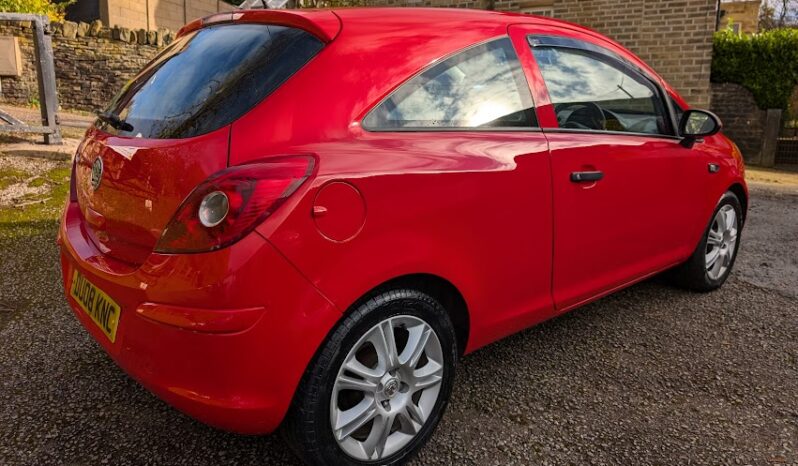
(738, 190)
(439, 288)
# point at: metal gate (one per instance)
(787, 145)
(45, 74)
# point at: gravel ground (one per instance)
(651, 375)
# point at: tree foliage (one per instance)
(764, 63)
(54, 10)
(778, 14)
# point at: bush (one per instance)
(764, 63)
(55, 11)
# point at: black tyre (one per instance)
(713, 259)
(377, 388)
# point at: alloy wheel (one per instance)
(386, 388)
(721, 242)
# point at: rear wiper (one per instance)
(115, 120)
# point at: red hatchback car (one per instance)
(303, 219)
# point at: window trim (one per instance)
(454, 129)
(612, 133)
(552, 41)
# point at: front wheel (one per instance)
(712, 261)
(379, 385)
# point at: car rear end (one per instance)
(160, 257)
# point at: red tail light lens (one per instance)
(253, 193)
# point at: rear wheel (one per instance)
(379, 386)
(712, 261)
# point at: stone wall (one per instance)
(92, 62)
(743, 121)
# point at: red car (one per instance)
(303, 219)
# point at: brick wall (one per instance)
(92, 62)
(743, 121)
(673, 36)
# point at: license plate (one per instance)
(99, 306)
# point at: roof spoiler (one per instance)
(323, 24)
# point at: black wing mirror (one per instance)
(696, 124)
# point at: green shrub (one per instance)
(55, 11)
(764, 63)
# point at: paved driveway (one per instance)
(652, 375)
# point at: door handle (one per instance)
(586, 177)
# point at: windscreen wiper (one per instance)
(115, 121)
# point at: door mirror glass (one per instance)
(699, 123)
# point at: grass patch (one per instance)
(59, 175)
(9, 176)
(41, 211)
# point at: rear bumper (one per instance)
(237, 372)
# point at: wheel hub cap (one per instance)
(391, 388)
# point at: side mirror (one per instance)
(696, 124)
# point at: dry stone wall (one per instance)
(92, 62)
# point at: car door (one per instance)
(624, 189)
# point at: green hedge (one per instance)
(764, 63)
(39, 7)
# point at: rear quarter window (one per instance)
(479, 88)
(209, 78)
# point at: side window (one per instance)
(482, 87)
(594, 92)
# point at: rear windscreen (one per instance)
(209, 78)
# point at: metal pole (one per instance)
(48, 99)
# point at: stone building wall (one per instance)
(92, 62)
(743, 16)
(144, 14)
(154, 14)
(743, 121)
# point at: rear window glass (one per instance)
(209, 78)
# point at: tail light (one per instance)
(232, 203)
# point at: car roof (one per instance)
(449, 17)
(412, 19)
